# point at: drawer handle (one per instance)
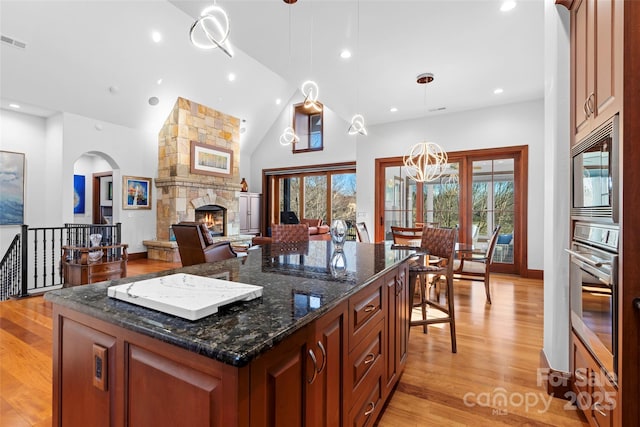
(372, 407)
(598, 408)
(324, 356)
(315, 367)
(369, 308)
(370, 358)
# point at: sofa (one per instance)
(317, 231)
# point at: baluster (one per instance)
(35, 257)
(60, 274)
(53, 256)
(44, 257)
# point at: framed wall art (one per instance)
(11, 188)
(210, 160)
(136, 192)
(78, 194)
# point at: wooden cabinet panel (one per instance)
(365, 308)
(81, 402)
(325, 394)
(597, 67)
(278, 381)
(249, 211)
(164, 392)
(397, 321)
(366, 411)
(365, 363)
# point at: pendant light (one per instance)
(425, 161)
(288, 135)
(213, 22)
(357, 126)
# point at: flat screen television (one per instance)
(289, 217)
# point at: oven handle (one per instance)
(585, 259)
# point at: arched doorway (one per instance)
(96, 189)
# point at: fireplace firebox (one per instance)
(215, 217)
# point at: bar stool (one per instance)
(440, 243)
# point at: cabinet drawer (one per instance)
(367, 411)
(365, 357)
(603, 401)
(106, 267)
(581, 375)
(364, 307)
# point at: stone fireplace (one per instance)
(180, 191)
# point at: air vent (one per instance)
(13, 42)
(437, 109)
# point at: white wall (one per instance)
(86, 166)
(339, 147)
(557, 190)
(52, 147)
(23, 133)
(508, 125)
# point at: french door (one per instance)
(479, 190)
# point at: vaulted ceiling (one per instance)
(97, 58)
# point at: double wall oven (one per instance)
(593, 275)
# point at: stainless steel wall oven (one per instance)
(593, 290)
(594, 170)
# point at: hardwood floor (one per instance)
(498, 357)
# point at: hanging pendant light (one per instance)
(310, 91)
(357, 126)
(214, 24)
(425, 161)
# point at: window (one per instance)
(307, 124)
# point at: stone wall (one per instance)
(179, 192)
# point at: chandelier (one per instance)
(425, 162)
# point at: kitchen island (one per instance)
(324, 345)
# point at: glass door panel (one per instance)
(343, 201)
(395, 199)
(493, 203)
(289, 197)
(315, 197)
(441, 199)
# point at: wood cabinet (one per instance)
(596, 63)
(299, 382)
(593, 391)
(338, 370)
(249, 208)
(78, 270)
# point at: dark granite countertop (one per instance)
(297, 289)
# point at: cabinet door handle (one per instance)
(370, 358)
(369, 308)
(399, 286)
(372, 407)
(585, 108)
(598, 408)
(324, 356)
(315, 367)
(591, 101)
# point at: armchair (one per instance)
(196, 245)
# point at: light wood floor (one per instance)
(498, 355)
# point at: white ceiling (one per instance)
(77, 50)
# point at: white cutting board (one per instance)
(184, 295)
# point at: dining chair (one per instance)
(289, 233)
(362, 232)
(439, 243)
(475, 266)
(406, 236)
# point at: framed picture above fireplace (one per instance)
(210, 160)
(136, 192)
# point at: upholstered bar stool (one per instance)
(439, 243)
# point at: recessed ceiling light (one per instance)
(159, 82)
(16, 106)
(156, 36)
(154, 100)
(498, 91)
(345, 54)
(278, 101)
(231, 77)
(507, 5)
(393, 109)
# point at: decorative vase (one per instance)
(245, 186)
(338, 264)
(95, 239)
(338, 233)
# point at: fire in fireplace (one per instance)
(215, 217)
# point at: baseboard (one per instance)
(137, 255)
(535, 274)
(556, 383)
